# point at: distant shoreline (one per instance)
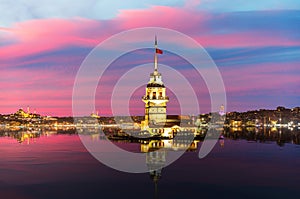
(281, 117)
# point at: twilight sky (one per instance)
(255, 44)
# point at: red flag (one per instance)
(158, 51)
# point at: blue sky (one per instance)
(21, 10)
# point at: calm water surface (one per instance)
(58, 166)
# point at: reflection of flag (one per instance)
(158, 51)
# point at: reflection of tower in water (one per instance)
(156, 154)
(155, 160)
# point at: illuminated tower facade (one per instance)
(155, 98)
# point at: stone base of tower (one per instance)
(168, 129)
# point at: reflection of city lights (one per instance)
(221, 141)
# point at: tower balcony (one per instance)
(156, 85)
(156, 98)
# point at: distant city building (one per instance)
(24, 115)
(95, 115)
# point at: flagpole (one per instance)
(155, 56)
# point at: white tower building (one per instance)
(155, 98)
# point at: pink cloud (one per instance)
(46, 91)
(36, 36)
(191, 4)
(262, 77)
(162, 16)
(251, 38)
(194, 24)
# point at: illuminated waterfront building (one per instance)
(155, 99)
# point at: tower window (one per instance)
(154, 95)
(160, 95)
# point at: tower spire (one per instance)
(155, 56)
